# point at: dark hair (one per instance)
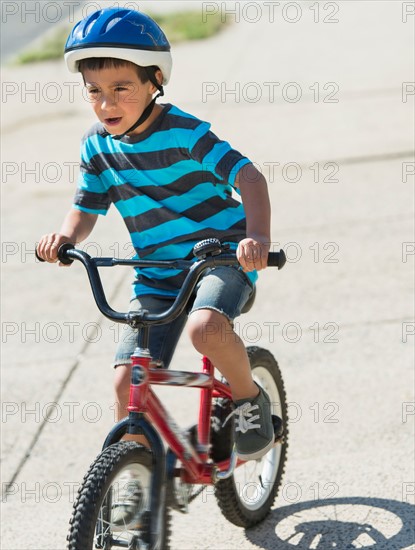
(98, 63)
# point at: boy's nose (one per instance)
(108, 101)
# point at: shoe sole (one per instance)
(258, 454)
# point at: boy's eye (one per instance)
(120, 89)
(92, 91)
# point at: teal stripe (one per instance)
(252, 276)
(217, 153)
(194, 197)
(159, 141)
(158, 272)
(226, 218)
(160, 176)
(91, 183)
(184, 226)
(172, 251)
(89, 210)
(163, 232)
(235, 170)
(141, 204)
(143, 290)
(136, 206)
(178, 112)
(200, 131)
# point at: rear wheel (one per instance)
(247, 496)
(112, 509)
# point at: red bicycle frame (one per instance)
(143, 400)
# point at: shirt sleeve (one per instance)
(215, 155)
(91, 195)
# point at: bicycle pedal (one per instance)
(280, 440)
(278, 429)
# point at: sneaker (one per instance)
(254, 429)
(221, 436)
(127, 503)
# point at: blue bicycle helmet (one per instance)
(122, 34)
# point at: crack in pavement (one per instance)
(6, 486)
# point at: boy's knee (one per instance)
(208, 328)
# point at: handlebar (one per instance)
(68, 253)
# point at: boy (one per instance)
(170, 178)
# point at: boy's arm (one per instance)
(76, 227)
(252, 252)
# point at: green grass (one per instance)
(178, 27)
(51, 48)
(188, 25)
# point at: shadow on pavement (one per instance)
(342, 523)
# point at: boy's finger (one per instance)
(52, 251)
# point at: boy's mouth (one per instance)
(112, 121)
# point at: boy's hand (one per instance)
(49, 245)
(252, 254)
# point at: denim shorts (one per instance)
(223, 289)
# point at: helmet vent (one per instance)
(91, 22)
(113, 20)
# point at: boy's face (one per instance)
(117, 96)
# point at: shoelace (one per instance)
(244, 417)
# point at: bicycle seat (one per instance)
(250, 302)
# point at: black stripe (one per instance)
(205, 144)
(96, 128)
(178, 187)
(209, 208)
(87, 168)
(227, 162)
(197, 213)
(237, 226)
(153, 160)
(233, 234)
(95, 201)
(179, 121)
(150, 219)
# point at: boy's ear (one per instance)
(159, 76)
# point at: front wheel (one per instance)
(246, 498)
(112, 509)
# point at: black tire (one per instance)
(240, 509)
(93, 506)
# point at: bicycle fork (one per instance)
(137, 424)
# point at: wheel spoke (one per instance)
(112, 508)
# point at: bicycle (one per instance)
(161, 479)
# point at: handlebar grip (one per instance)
(277, 259)
(61, 254)
(38, 257)
(63, 249)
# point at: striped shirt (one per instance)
(172, 184)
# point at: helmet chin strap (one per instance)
(148, 110)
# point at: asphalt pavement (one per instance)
(321, 97)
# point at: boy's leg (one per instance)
(212, 335)
(220, 297)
